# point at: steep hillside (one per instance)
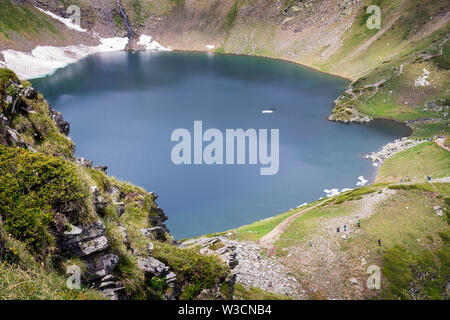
(407, 213)
(57, 212)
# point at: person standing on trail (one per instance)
(359, 223)
(345, 227)
(338, 229)
(379, 242)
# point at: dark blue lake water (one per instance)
(123, 108)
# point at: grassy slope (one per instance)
(416, 164)
(23, 20)
(414, 252)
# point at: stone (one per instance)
(353, 281)
(438, 210)
(98, 200)
(61, 124)
(99, 266)
(148, 232)
(150, 248)
(101, 168)
(90, 240)
(124, 232)
(152, 266)
(171, 278)
(82, 162)
(119, 207)
(29, 93)
(118, 293)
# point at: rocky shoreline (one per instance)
(392, 148)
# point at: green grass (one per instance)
(307, 223)
(416, 163)
(18, 283)
(231, 17)
(33, 187)
(258, 229)
(253, 293)
(196, 271)
(20, 19)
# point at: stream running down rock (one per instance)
(123, 13)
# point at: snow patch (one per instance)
(44, 60)
(302, 205)
(67, 21)
(362, 182)
(147, 42)
(210, 46)
(423, 80)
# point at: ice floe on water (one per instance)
(362, 182)
(147, 42)
(67, 21)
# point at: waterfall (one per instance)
(125, 20)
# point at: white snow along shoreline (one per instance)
(44, 60)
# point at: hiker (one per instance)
(379, 242)
(345, 227)
(359, 223)
(429, 178)
(310, 244)
(338, 229)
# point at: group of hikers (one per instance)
(338, 229)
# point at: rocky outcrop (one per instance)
(63, 126)
(392, 148)
(91, 244)
(248, 264)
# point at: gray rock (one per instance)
(100, 266)
(150, 248)
(98, 200)
(156, 231)
(90, 240)
(124, 232)
(171, 278)
(120, 208)
(438, 210)
(29, 93)
(63, 126)
(82, 162)
(152, 266)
